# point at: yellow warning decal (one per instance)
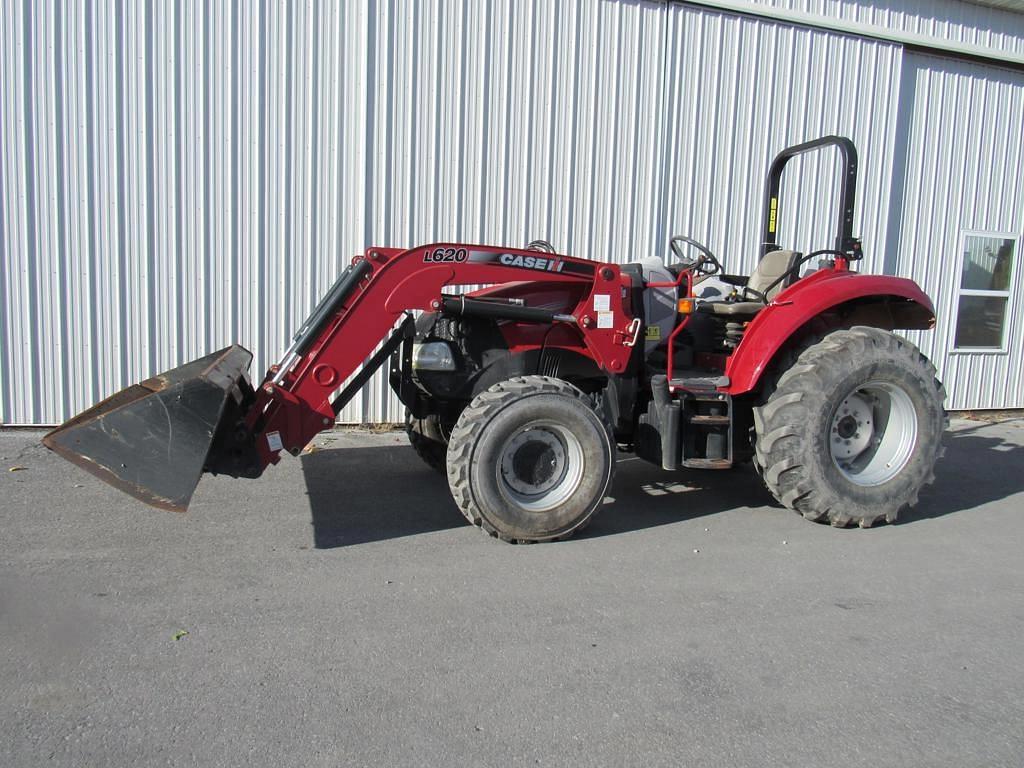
(773, 207)
(653, 333)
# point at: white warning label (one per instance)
(274, 441)
(602, 302)
(605, 319)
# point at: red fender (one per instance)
(805, 300)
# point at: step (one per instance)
(699, 384)
(707, 463)
(706, 420)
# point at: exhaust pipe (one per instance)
(153, 440)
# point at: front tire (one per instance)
(530, 460)
(853, 429)
(428, 438)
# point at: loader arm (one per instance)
(155, 439)
(298, 397)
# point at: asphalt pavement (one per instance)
(339, 612)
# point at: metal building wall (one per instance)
(740, 90)
(950, 24)
(178, 176)
(964, 173)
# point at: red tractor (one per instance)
(523, 391)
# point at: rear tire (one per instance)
(853, 429)
(530, 460)
(428, 439)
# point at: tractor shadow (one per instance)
(359, 495)
(979, 467)
(646, 496)
(363, 494)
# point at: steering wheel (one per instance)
(704, 264)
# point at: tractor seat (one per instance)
(765, 279)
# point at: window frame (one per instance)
(1008, 294)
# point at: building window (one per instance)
(986, 273)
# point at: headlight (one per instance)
(433, 356)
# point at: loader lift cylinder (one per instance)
(327, 308)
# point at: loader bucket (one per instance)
(152, 439)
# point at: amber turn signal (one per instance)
(686, 306)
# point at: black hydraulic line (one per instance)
(466, 307)
(405, 330)
(845, 241)
(329, 304)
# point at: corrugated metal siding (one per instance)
(1010, 5)
(938, 21)
(220, 178)
(741, 89)
(964, 173)
(178, 176)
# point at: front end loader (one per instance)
(523, 392)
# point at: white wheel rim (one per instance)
(541, 466)
(873, 433)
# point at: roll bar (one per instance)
(845, 241)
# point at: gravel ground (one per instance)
(338, 612)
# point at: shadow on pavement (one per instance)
(646, 496)
(359, 495)
(977, 469)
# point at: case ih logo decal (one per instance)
(540, 262)
(531, 262)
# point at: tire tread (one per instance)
(474, 420)
(780, 446)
